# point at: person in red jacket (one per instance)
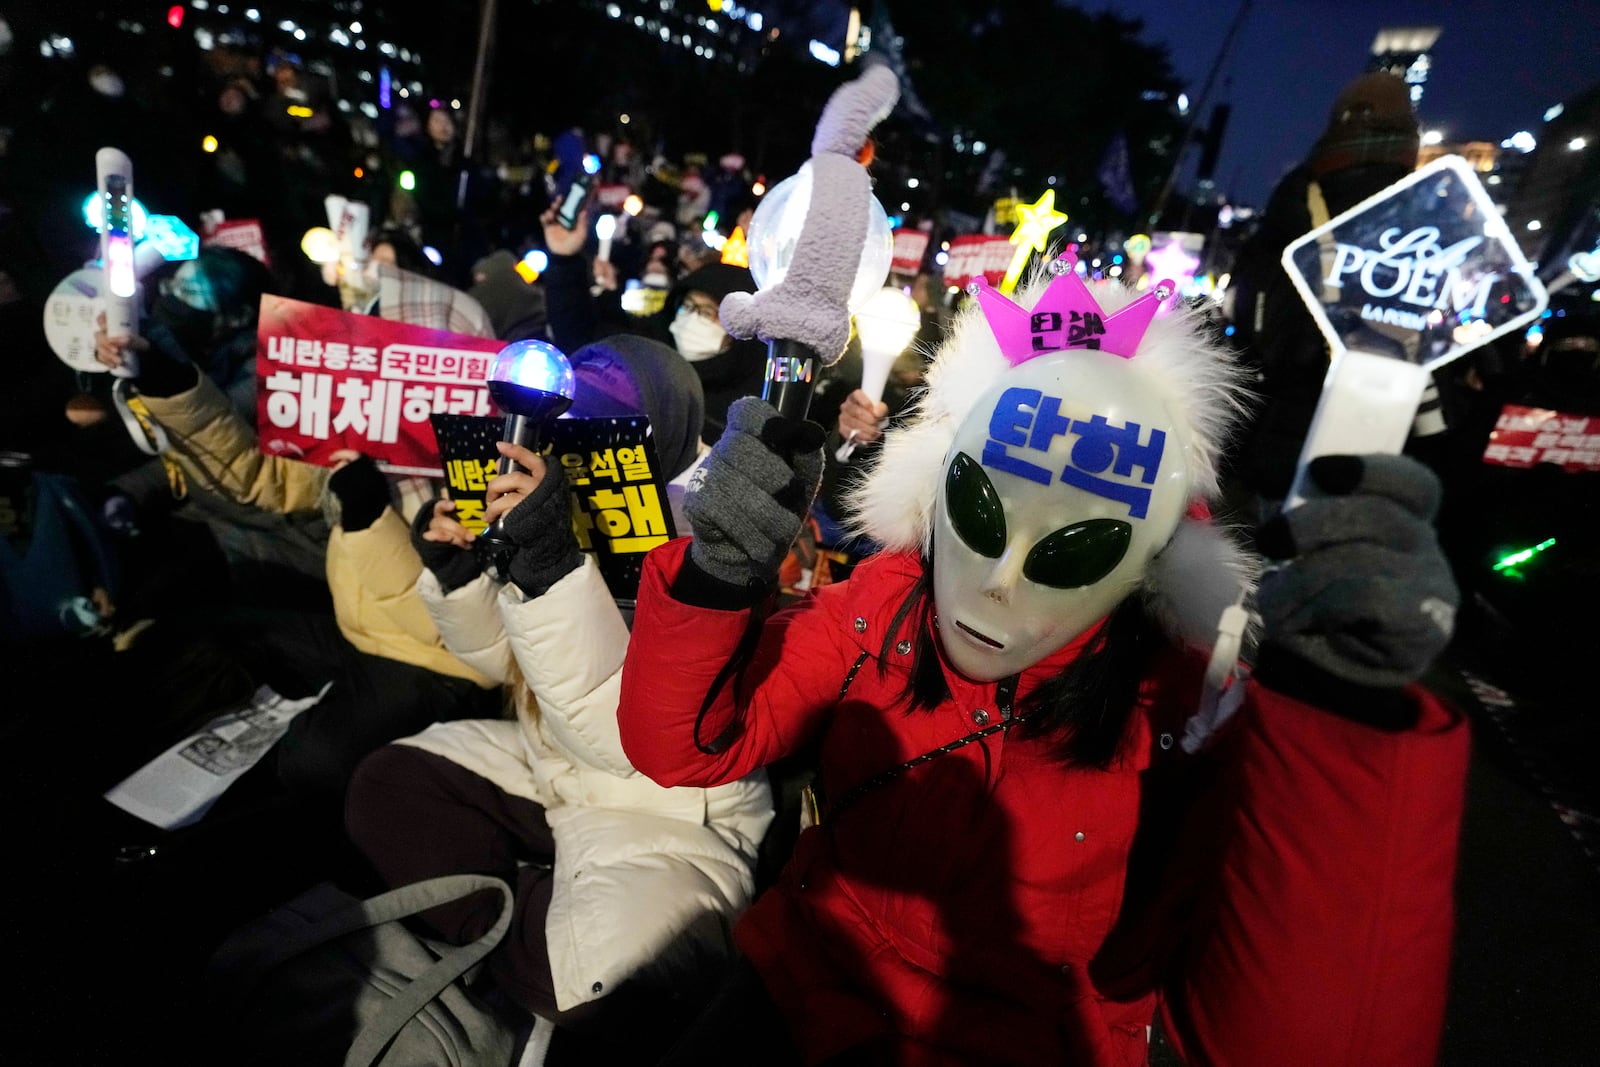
(1029, 842)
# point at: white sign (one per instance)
(1429, 255)
(1401, 284)
(69, 319)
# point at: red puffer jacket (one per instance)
(1285, 897)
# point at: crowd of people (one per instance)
(843, 640)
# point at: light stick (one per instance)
(531, 382)
(114, 177)
(1033, 231)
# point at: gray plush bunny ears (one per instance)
(810, 304)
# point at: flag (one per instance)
(1116, 178)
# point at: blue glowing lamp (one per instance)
(531, 382)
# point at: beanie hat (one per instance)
(1372, 122)
(716, 280)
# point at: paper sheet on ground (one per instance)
(180, 785)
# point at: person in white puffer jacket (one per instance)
(619, 882)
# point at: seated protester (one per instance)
(207, 309)
(620, 884)
(689, 320)
(391, 672)
(1028, 843)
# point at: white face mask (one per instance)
(696, 337)
(656, 280)
(106, 83)
(1060, 486)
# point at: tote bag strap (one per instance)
(381, 1029)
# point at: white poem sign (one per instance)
(1401, 284)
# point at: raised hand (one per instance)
(747, 502)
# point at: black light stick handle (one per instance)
(494, 548)
(792, 369)
(521, 430)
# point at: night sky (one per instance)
(1496, 68)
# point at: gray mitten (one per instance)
(746, 503)
(1365, 600)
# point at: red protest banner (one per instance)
(1526, 437)
(327, 379)
(976, 255)
(909, 248)
(243, 234)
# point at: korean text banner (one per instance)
(327, 379)
(977, 256)
(1526, 437)
(619, 501)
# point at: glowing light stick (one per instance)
(1035, 222)
(114, 178)
(1431, 262)
(605, 228)
(886, 324)
(531, 382)
(1512, 561)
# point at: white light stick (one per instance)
(886, 324)
(114, 178)
(1426, 268)
(605, 228)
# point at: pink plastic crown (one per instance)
(1066, 316)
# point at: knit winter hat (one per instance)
(1372, 122)
(716, 280)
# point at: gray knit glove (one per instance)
(747, 501)
(1365, 600)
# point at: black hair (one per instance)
(1083, 710)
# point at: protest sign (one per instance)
(977, 255)
(1527, 437)
(327, 379)
(618, 490)
(244, 234)
(909, 248)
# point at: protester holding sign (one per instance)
(549, 801)
(396, 674)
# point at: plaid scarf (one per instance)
(419, 301)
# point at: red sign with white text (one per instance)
(243, 234)
(909, 248)
(976, 255)
(1526, 437)
(327, 379)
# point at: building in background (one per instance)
(1404, 51)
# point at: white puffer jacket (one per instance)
(647, 880)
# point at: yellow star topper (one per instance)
(1035, 221)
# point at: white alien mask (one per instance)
(1064, 481)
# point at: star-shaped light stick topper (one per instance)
(1033, 229)
(1171, 261)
